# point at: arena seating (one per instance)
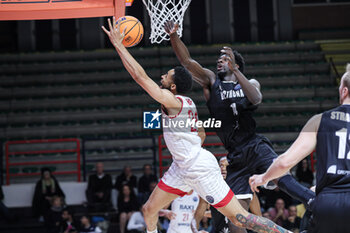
(88, 94)
(338, 50)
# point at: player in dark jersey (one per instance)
(232, 98)
(328, 133)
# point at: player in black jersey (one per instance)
(232, 98)
(328, 133)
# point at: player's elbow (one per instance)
(256, 100)
(284, 163)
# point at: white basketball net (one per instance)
(161, 11)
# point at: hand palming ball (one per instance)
(134, 30)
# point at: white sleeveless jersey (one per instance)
(184, 208)
(181, 134)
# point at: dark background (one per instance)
(206, 22)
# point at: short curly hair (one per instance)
(239, 60)
(182, 79)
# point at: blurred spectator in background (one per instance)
(126, 178)
(278, 213)
(136, 222)
(4, 211)
(293, 221)
(46, 188)
(98, 193)
(127, 204)
(304, 174)
(143, 197)
(267, 215)
(268, 198)
(146, 179)
(205, 225)
(87, 227)
(53, 216)
(67, 224)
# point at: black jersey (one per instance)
(333, 151)
(229, 104)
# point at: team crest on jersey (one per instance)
(210, 199)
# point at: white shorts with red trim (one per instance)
(204, 177)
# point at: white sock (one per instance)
(155, 231)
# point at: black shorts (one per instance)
(219, 221)
(254, 157)
(331, 213)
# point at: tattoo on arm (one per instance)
(259, 224)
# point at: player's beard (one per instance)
(222, 74)
(165, 87)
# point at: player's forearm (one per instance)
(277, 169)
(180, 49)
(252, 92)
(131, 65)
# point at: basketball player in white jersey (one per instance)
(193, 167)
(182, 212)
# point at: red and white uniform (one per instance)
(193, 167)
(184, 208)
(181, 139)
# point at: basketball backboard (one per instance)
(61, 9)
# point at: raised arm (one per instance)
(203, 76)
(162, 96)
(302, 147)
(251, 88)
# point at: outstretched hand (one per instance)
(230, 56)
(114, 33)
(255, 181)
(170, 27)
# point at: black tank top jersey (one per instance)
(333, 151)
(229, 104)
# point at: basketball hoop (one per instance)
(161, 11)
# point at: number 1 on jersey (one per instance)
(342, 134)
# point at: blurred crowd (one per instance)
(49, 202)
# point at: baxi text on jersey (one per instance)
(192, 123)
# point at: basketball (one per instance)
(134, 30)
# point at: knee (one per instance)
(123, 216)
(147, 209)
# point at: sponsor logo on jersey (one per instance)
(152, 120)
(186, 207)
(231, 94)
(189, 101)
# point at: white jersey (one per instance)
(181, 133)
(184, 208)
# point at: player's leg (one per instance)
(169, 188)
(211, 186)
(233, 228)
(242, 218)
(238, 173)
(158, 199)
